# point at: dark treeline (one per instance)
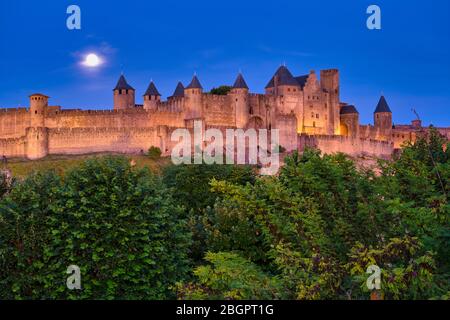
(223, 232)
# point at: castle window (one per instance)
(314, 124)
(312, 114)
(35, 112)
(126, 91)
(326, 105)
(317, 116)
(289, 89)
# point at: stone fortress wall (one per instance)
(307, 111)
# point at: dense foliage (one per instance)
(312, 231)
(221, 232)
(119, 225)
(154, 152)
(221, 91)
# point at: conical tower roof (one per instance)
(179, 91)
(285, 78)
(151, 90)
(382, 106)
(122, 84)
(240, 82)
(195, 84)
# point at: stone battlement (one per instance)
(306, 110)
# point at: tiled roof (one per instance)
(179, 91)
(122, 84)
(151, 90)
(285, 78)
(195, 84)
(348, 109)
(382, 106)
(302, 80)
(240, 82)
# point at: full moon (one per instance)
(92, 60)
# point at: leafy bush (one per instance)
(154, 152)
(221, 91)
(190, 185)
(229, 276)
(119, 225)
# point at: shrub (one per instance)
(154, 152)
(119, 225)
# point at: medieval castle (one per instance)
(306, 110)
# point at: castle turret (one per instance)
(383, 120)
(239, 96)
(37, 133)
(179, 91)
(349, 124)
(193, 94)
(283, 83)
(329, 82)
(151, 97)
(124, 95)
(38, 105)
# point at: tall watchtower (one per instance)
(239, 96)
(193, 94)
(383, 120)
(124, 95)
(151, 97)
(37, 134)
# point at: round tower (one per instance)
(37, 134)
(151, 97)
(124, 95)
(38, 105)
(193, 94)
(383, 120)
(239, 96)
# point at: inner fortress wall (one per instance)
(137, 118)
(13, 122)
(218, 110)
(91, 140)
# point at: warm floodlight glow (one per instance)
(92, 60)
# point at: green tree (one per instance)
(221, 91)
(118, 224)
(190, 186)
(229, 276)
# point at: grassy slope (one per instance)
(62, 163)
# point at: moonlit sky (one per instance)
(167, 41)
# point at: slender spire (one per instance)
(382, 106)
(151, 90)
(179, 90)
(195, 84)
(240, 82)
(122, 84)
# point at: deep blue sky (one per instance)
(167, 40)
